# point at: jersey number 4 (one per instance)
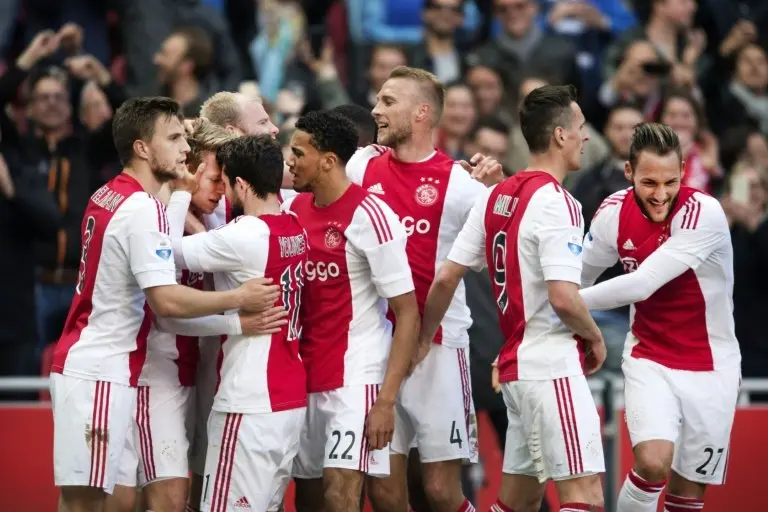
(292, 282)
(90, 225)
(500, 269)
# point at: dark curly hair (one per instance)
(257, 159)
(330, 132)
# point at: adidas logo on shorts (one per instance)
(242, 503)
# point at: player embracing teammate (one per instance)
(682, 363)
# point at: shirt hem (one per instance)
(87, 376)
(287, 406)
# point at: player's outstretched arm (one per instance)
(183, 302)
(439, 300)
(268, 322)
(380, 424)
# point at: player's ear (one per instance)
(558, 134)
(424, 112)
(329, 161)
(628, 171)
(141, 149)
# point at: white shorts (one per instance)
(554, 429)
(248, 465)
(334, 434)
(91, 420)
(205, 391)
(435, 412)
(694, 410)
(159, 444)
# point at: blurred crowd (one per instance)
(66, 66)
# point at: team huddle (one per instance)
(248, 318)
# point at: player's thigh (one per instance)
(205, 391)
(517, 454)
(709, 404)
(438, 400)
(161, 415)
(563, 428)
(651, 408)
(249, 459)
(344, 411)
(308, 464)
(91, 422)
(404, 436)
(128, 468)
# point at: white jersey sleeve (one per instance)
(204, 326)
(559, 232)
(600, 243)
(697, 230)
(378, 234)
(224, 249)
(469, 248)
(471, 190)
(149, 245)
(357, 165)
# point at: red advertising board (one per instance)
(26, 472)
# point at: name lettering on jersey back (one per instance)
(291, 246)
(505, 205)
(419, 226)
(107, 198)
(321, 270)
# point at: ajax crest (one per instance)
(426, 193)
(332, 237)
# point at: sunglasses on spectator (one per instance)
(435, 6)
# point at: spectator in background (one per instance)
(490, 137)
(384, 58)
(590, 25)
(28, 215)
(183, 68)
(670, 30)
(521, 42)
(701, 152)
(282, 27)
(745, 98)
(438, 53)
(489, 85)
(744, 144)
(69, 161)
(745, 206)
(459, 115)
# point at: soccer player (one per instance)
(682, 364)
(260, 404)
(126, 268)
(355, 363)
(432, 195)
(167, 379)
(528, 231)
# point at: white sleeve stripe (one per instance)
(691, 214)
(162, 219)
(379, 221)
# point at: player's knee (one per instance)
(652, 468)
(76, 498)
(387, 496)
(170, 495)
(442, 492)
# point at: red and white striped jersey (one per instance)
(357, 259)
(126, 248)
(432, 198)
(258, 373)
(687, 324)
(528, 230)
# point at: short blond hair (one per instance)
(205, 136)
(225, 108)
(430, 85)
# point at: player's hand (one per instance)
(595, 355)
(421, 353)
(495, 384)
(268, 322)
(485, 169)
(258, 295)
(187, 181)
(380, 424)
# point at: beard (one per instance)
(163, 172)
(237, 208)
(396, 136)
(641, 205)
(302, 188)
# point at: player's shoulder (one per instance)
(365, 154)
(373, 216)
(296, 202)
(700, 211)
(550, 201)
(614, 201)
(463, 179)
